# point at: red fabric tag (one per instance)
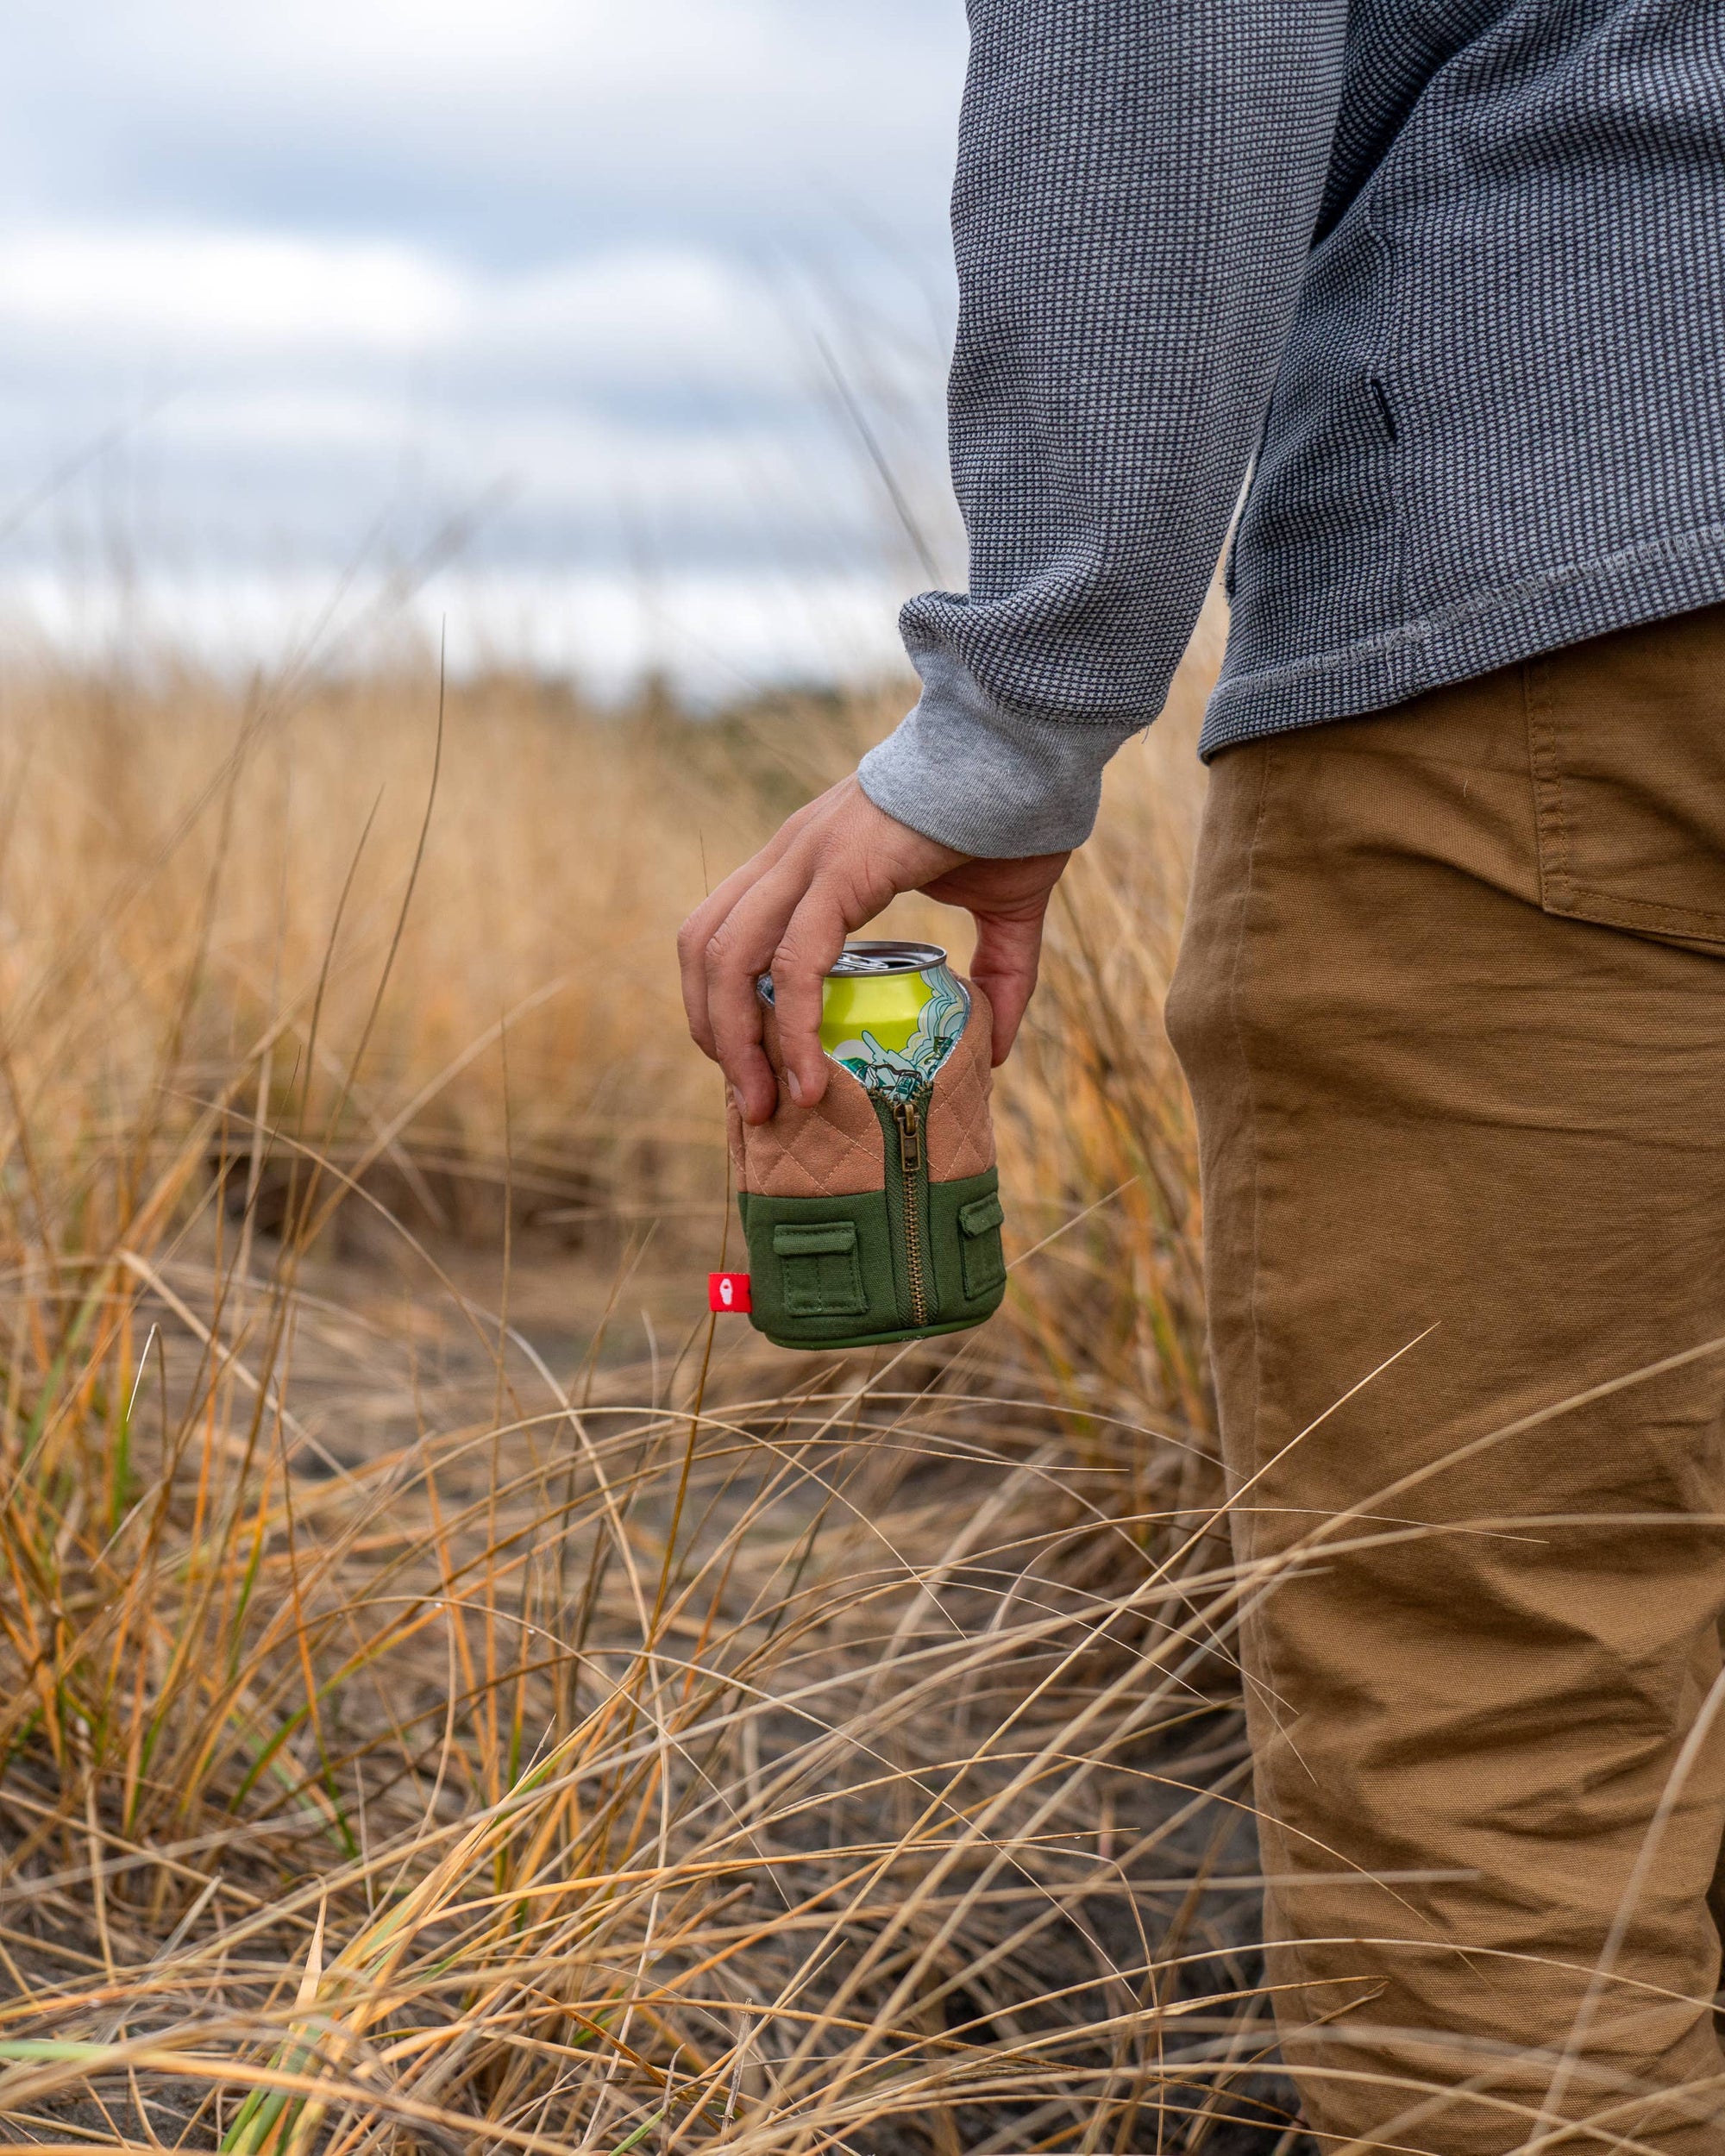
(728, 1291)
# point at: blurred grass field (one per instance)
(457, 1697)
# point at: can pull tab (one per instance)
(728, 1291)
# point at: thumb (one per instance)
(1009, 950)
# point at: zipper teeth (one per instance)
(907, 1119)
(914, 1252)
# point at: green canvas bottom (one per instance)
(877, 1339)
(832, 1272)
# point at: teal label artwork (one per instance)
(895, 1053)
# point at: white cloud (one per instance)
(670, 381)
(185, 294)
(503, 121)
(388, 254)
(564, 462)
(636, 313)
(509, 47)
(188, 297)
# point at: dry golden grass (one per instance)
(453, 1697)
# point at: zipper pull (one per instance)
(908, 1118)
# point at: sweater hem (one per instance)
(1500, 628)
(982, 777)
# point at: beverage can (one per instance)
(891, 1012)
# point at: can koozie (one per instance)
(875, 1215)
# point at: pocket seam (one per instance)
(1551, 829)
(1560, 894)
(1586, 904)
(810, 1293)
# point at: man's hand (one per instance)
(830, 869)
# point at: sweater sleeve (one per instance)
(1136, 187)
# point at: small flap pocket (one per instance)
(980, 1215)
(982, 1263)
(825, 1238)
(820, 1269)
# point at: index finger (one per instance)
(812, 939)
(705, 923)
(736, 956)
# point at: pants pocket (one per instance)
(1627, 742)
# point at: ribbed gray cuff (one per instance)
(989, 781)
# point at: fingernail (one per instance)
(794, 1086)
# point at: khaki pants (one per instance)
(1452, 1008)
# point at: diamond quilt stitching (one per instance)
(961, 1135)
(836, 1150)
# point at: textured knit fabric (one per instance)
(1449, 275)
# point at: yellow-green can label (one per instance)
(892, 1013)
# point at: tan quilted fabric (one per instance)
(832, 1150)
(961, 1132)
(836, 1150)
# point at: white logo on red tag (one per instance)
(728, 1291)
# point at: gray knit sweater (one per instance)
(1447, 275)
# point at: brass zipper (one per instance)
(908, 1117)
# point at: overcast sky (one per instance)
(578, 291)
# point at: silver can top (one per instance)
(882, 957)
